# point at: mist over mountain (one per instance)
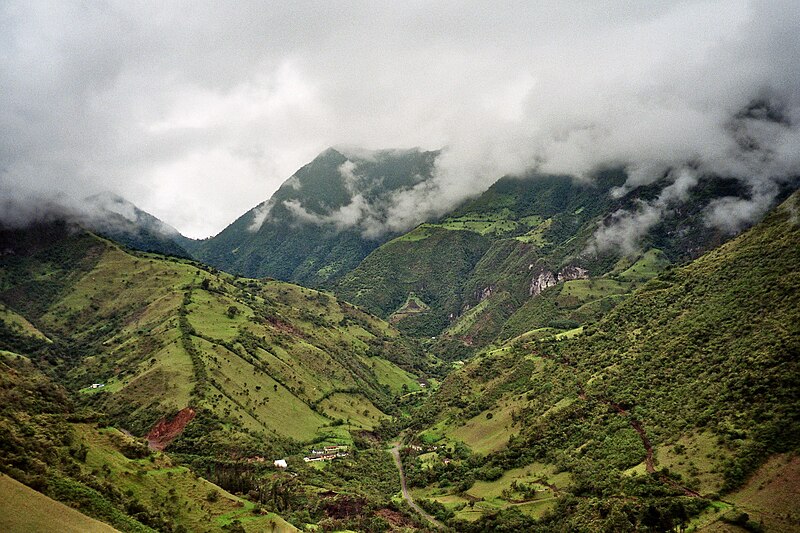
(400, 267)
(174, 114)
(324, 219)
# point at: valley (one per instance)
(515, 381)
(409, 267)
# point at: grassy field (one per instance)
(163, 334)
(393, 376)
(483, 434)
(696, 457)
(357, 411)
(23, 509)
(491, 496)
(648, 266)
(162, 484)
(412, 306)
(536, 236)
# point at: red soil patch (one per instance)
(165, 431)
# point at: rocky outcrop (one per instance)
(571, 272)
(546, 279)
(482, 294)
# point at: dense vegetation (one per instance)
(625, 394)
(297, 235)
(669, 402)
(266, 370)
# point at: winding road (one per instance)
(406, 494)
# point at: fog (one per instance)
(197, 112)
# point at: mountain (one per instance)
(528, 258)
(322, 221)
(118, 219)
(680, 406)
(607, 389)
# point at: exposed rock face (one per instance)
(165, 431)
(484, 293)
(546, 279)
(571, 272)
(539, 283)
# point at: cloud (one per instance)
(626, 228)
(198, 112)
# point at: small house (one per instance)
(280, 463)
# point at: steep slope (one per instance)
(161, 335)
(677, 395)
(520, 228)
(317, 226)
(539, 268)
(428, 263)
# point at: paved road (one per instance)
(407, 495)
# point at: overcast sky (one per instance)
(197, 111)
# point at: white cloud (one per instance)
(197, 112)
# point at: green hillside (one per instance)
(531, 264)
(118, 219)
(24, 509)
(429, 262)
(225, 374)
(279, 239)
(656, 415)
(161, 335)
(71, 457)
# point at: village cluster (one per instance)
(327, 453)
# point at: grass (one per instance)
(495, 223)
(256, 399)
(697, 457)
(467, 320)
(648, 266)
(161, 483)
(358, 411)
(208, 314)
(770, 494)
(569, 333)
(20, 324)
(580, 291)
(261, 366)
(412, 306)
(536, 235)
(488, 496)
(393, 376)
(420, 233)
(485, 435)
(24, 509)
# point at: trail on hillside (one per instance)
(406, 494)
(649, 461)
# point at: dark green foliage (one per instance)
(290, 248)
(708, 347)
(431, 268)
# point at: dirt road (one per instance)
(407, 495)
